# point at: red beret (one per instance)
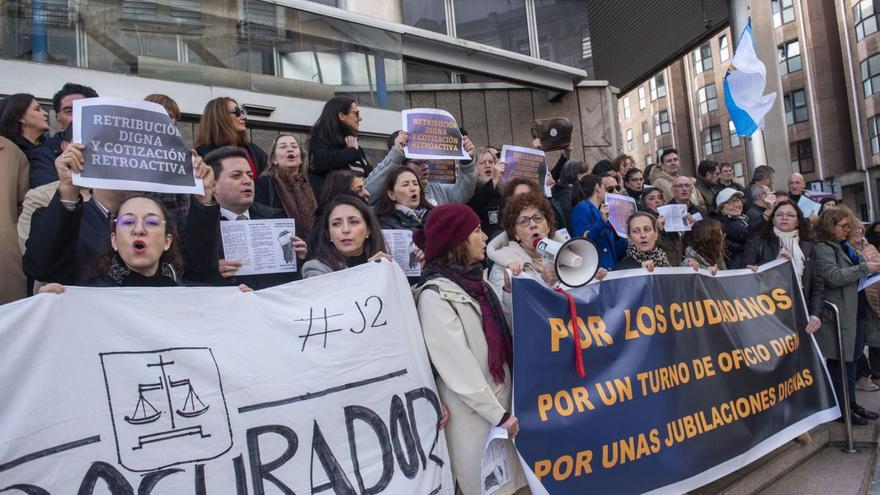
(447, 227)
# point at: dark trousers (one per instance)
(851, 368)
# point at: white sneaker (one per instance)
(866, 385)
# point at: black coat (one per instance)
(736, 234)
(326, 157)
(761, 249)
(486, 203)
(562, 205)
(41, 157)
(627, 263)
(261, 160)
(756, 217)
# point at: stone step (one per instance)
(765, 471)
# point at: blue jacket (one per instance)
(41, 157)
(587, 222)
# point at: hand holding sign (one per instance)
(206, 174)
(433, 134)
(67, 164)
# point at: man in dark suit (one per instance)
(234, 193)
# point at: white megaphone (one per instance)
(576, 261)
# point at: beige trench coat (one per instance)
(453, 329)
(14, 169)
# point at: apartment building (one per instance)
(829, 78)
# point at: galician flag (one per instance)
(744, 87)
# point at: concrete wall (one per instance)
(505, 116)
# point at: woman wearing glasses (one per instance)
(841, 269)
(526, 219)
(224, 123)
(333, 142)
(634, 183)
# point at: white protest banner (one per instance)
(131, 145)
(620, 207)
(399, 244)
(675, 218)
(522, 162)
(318, 386)
(433, 134)
(262, 246)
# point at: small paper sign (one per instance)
(433, 134)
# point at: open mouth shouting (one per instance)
(139, 246)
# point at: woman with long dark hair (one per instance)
(333, 142)
(284, 185)
(224, 123)
(24, 122)
(564, 190)
(589, 219)
(706, 247)
(349, 235)
(402, 204)
(469, 343)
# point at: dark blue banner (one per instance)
(688, 378)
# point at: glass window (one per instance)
(658, 86)
(563, 32)
(789, 57)
(871, 74)
(417, 73)
(783, 12)
(498, 23)
(738, 170)
(642, 102)
(874, 132)
(712, 142)
(629, 140)
(802, 156)
(795, 107)
(702, 58)
(626, 112)
(646, 136)
(647, 160)
(661, 122)
(425, 14)
(723, 48)
(865, 15)
(707, 99)
(734, 137)
(16, 32)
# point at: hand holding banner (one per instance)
(433, 134)
(132, 146)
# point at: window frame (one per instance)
(786, 58)
(723, 48)
(874, 134)
(643, 102)
(781, 11)
(862, 21)
(705, 103)
(657, 89)
(702, 58)
(661, 125)
(735, 140)
(715, 143)
(870, 82)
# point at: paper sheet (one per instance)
(675, 217)
(262, 246)
(399, 244)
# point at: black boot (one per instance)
(861, 411)
(855, 419)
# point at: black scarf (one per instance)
(122, 276)
(656, 255)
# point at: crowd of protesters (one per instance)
(470, 235)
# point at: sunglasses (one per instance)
(238, 112)
(614, 189)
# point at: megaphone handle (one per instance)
(578, 354)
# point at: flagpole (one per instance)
(746, 144)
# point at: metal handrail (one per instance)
(847, 413)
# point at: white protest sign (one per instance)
(262, 246)
(675, 218)
(808, 207)
(318, 386)
(132, 145)
(620, 207)
(400, 246)
(433, 134)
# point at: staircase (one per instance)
(818, 468)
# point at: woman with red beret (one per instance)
(469, 343)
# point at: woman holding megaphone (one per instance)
(526, 219)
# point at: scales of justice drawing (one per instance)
(167, 407)
(145, 412)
